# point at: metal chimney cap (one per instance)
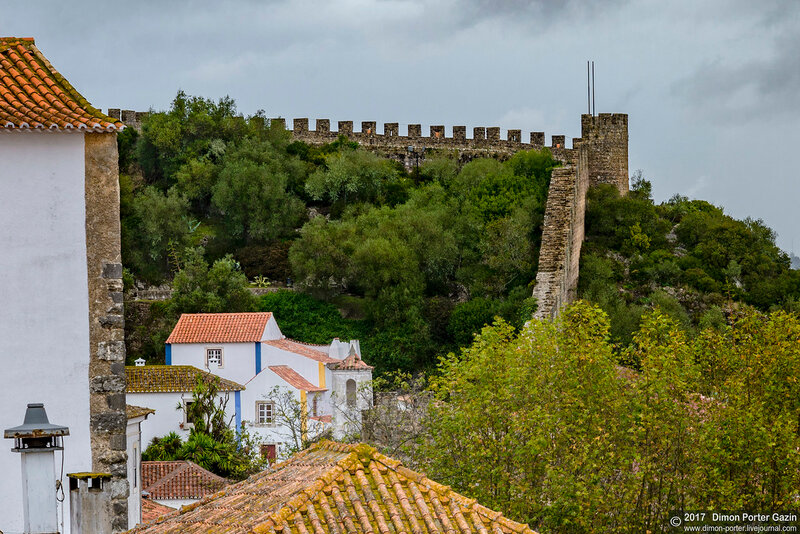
(36, 425)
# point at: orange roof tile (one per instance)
(336, 488)
(291, 377)
(219, 327)
(322, 418)
(170, 379)
(152, 510)
(179, 479)
(34, 95)
(352, 363)
(302, 349)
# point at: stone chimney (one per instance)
(90, 503)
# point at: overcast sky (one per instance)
(711, 87)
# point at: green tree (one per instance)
(352, 176)
(253, 192)
(222, 287)
(160, 225)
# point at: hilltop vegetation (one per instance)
(673, 385)
(685, 256)
(419, 261)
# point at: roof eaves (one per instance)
(94, 112)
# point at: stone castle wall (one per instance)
(599, 156)
(562, 237)
(108, 421)
(607, 136)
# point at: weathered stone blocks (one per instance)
(369, 128)
(345, 127)
(300, 126)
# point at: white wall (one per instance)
(134, 471)
(44, 319)
(257, 390)
(238, 359)
(346, 420)
(167, 419)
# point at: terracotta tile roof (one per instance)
(301, 349)
(179, 479)
(133, 412)
(152, 510)
(170, 379)
(352, 363)
(34, 95)
(333, 488)
(219, 327)
(322, 418)
(291, 377)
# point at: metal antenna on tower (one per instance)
(594, 108)
(588, 90)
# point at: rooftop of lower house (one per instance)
(132, 412)
(170, 379)
(293, 378)
(179, 480)
(220, 327)
(34, 96)
(352, 362)
(333, 487)
(152, 510)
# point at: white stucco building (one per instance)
(136, 415)
(60, 275)
(249, 349)
(165, 388)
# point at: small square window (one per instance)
(265, 413)
(214, 357)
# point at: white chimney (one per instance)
(139, 362)
(354, 344)
(90, 503)
(37, 440)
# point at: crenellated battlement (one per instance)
(599, 156)
(483, 138)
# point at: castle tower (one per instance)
(606, 138)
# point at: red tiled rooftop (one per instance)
(300, 348)
(152, 510)
(322, 418)
(179, 480)
(291, 377)
(335, 488)
(351, 363)
(34, 95)
(219, 327)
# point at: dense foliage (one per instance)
(416, 261)
(419, 260)
(546, 427)
(685, 256)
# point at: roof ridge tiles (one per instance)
(341, 489)
(27, 74)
